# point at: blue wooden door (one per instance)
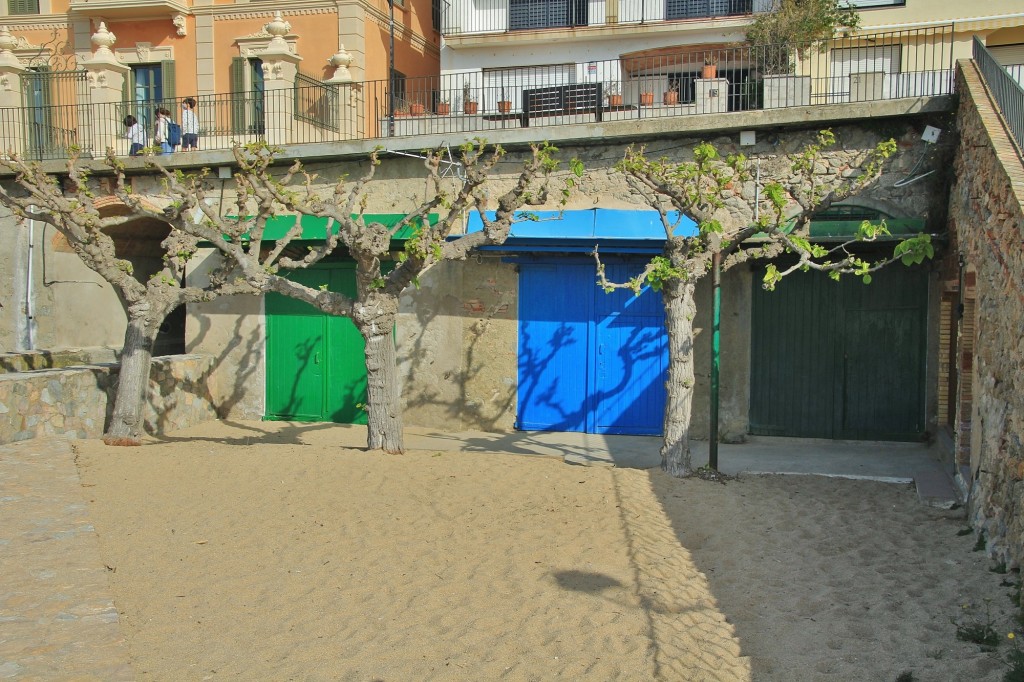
(589, 361)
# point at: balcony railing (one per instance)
(881, 66)
(468, 17)
(1006, 89)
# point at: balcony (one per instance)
(897, 65)
(475, 17)
(128, 9)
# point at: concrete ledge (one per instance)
(75, 402)
(626, 130)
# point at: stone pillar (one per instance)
(280, 69)
(711, 95)
(106, 78)
(12, 115)
(349, 95)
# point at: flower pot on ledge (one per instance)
(444, 108)
(615, 100)
(709, 71)
(471, 108)
(504, 106)
(416, 109)
(671, 98)
(646, 99)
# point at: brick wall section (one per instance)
(75, 401)
(987, 212)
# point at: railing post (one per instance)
(280, 69)
(348, 95)
(105, 76)
(12, 131)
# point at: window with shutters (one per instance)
(23, 6)
(533, 14)
(248, 106)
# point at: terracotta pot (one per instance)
(646, 99)
(444, 108)
(416, 109)
(615, 100)
(504, 106)
(671, 97)
(471, 107)
(709, 71)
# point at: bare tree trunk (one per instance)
(680, 308)
(136, 358)
(383, 407)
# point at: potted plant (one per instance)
(671, 96)
(470, 105)
(504, 105)
(613, 93)
(646, 98)
(416, 109)
(710, 69)
(444, 107)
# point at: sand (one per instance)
(261, 552)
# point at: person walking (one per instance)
(189, 125)
(161, 130)
(135, 134)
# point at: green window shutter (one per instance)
(238, 66)
(167, 84)
(128, 89)
(23, 6)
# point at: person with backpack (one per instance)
(189, 125)
(161, 130)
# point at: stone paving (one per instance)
(57, 615)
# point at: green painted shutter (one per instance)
(128, 91)
(23, 6)
(167, 84)
(238, 66)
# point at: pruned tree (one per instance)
(262, 195)
(699, 189)
(147, 304)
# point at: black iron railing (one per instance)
(468, 17)
(880, 66)
(1008, 93)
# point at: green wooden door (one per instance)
(315, 365)
(840, 359)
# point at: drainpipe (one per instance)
(391, 69)
(716, 316)
(29, 316)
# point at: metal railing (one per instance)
(469, 17)
(881, 66)
(316, 102)
(1008, 93)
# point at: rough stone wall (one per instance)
(987, 214)
(75, 401)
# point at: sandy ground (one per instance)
(260, 552)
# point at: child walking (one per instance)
(161, 130)
(189, 125)
(135, 135)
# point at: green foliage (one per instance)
(660, 272)
(794, 26)
(915, 250)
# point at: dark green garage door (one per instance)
(315, 365)
(840, 359)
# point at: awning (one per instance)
(315, 228)
(590, 224)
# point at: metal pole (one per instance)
(391, 70)
(716, 317)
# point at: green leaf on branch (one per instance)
(915, 250)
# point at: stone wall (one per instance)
(75, 402)
(987, 214)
